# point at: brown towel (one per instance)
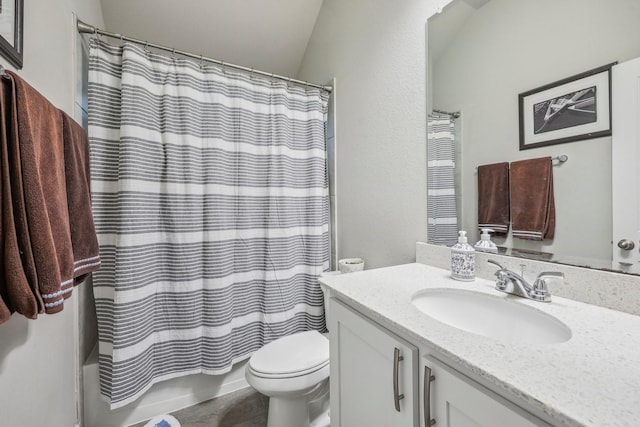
(18, 280)
(43, 174)
(493, 197)
(78, 181)
(532, 203)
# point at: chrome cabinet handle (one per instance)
(626, 244)
(426, 394)
(396, 362)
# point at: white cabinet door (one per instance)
(625, 151)
(456, 401)
(372, 371)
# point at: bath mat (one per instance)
(163, 421)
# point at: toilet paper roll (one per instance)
(349, 265)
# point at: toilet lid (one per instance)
(297, 353)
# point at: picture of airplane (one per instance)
(573, 109)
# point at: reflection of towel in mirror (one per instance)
(493, 197)
(533, 211)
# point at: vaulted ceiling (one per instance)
(268, 35)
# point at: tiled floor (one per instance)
(243, 408)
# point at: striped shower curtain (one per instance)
(442, 218)
(211, 206)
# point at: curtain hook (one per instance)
(201, 60)
(251, 74)
(173, 53)
(146, 46)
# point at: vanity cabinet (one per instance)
(379, 379)
(453, 400)
(374, 379)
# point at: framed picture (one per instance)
(11, 12)
(571, 109)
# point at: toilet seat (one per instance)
(288, 374)
(291, 356)
(290, 366)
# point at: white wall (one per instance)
(376, 51)
(511, 46)
(38, 370)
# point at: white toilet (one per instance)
(294, 372)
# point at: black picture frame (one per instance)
(572, 109)
(11, 30)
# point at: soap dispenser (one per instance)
(485, 244)
(463, 259)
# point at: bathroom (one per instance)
(376, 52)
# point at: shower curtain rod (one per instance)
(84, 28)
(455, 115)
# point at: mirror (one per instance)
(482, 54)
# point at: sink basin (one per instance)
(491, 316)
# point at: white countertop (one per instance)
(591, 380)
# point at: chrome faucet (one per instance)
(512, 283)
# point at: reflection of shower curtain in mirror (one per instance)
(442, 228)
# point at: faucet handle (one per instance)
(540, 290)
(502, 278)
(496, 263)
(551, 274)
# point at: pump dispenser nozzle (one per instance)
(485, 244)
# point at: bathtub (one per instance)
(162, 398)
